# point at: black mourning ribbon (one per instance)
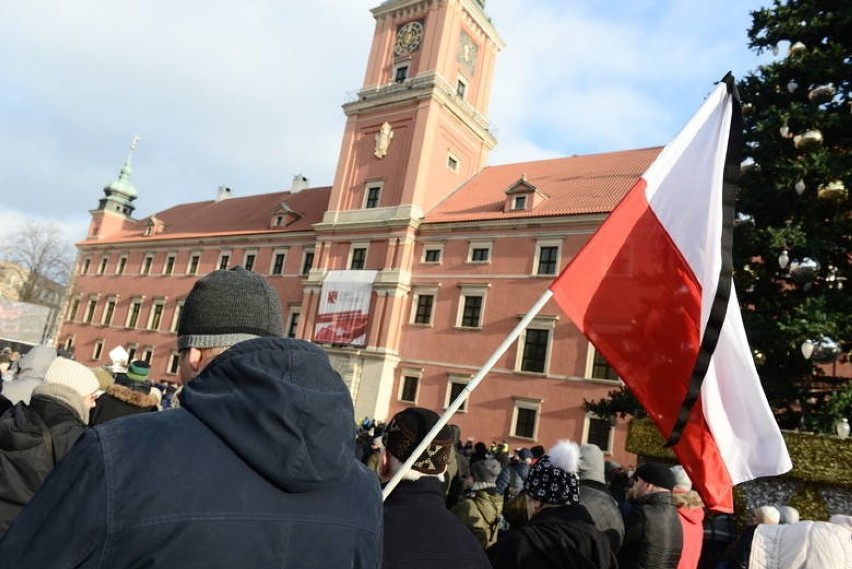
(730, 187)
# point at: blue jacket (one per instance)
(256, 469)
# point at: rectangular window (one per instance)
(72, 309)
(432, 256)
(408, 393)
(461, 88)
(525, 417)
(599, 432)
(131, 351)
(479, 253)
(224, 261)
(69, 343)
(99, 349)
(148, 354)
(192, 266)
(535, 350)
(174, 363)
(520, 202)
(169, 266)
(90, 310)
(401, 73)
(133, 312)
(455, 386)
(102, 267)
(372, 200)
(307, 261)
(176, 316)
(472, 312)
(108, 312)
(122, 264)
(359, 258)
(249, 260)
(548, 257)
(293, 322)
(600, 367)
(156, 315)
(278, 263)
(452, 163)
(85, 268)
(423, 313)
(146, 264)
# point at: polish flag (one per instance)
(652, 291)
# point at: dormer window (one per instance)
(154, 226)
(522, 196)
(283, 216)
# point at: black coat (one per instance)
(25, 457)
(421, 533)
(120, 401)
(256, 469)
(653, 537)
(561, 537)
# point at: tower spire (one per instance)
(120, 192)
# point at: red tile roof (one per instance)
(576, 185)
(231, 216)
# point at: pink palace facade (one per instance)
(453, 253)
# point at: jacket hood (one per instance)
(281, 407)
(591, 466)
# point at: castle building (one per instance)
(410, 270)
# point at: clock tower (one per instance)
(415, 132)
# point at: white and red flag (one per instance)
(652, 291)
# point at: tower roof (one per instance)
(121, 186)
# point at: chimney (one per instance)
(300, 183)
(223, 193)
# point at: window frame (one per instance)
(109, 311)
(173, 363)
(224, 259)
(102, 264)
(365, 246)
(462, 86)
(370, 201)
(478, 246)
(419, 292)
(308, 258)
(121, 264)
(250, 253)
(529, 404)
(132, 319)
(193, 262)
(453, 162)
(98, 349)
(587, 427)
(456, 379)
(154, 313)
(295, 313)
(169, 264)
(471, 290)
(417, 375)
(432, 248)
(147, 264)
(91, 308)
(540, 323)
(273, 263)
(73, 308)
(176, 315)
(591, 363)
(540, 245)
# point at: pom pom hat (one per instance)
(553, 479)
(72, 374)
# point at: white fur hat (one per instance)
(682, 481)
(75, 375)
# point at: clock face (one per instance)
(408, 38)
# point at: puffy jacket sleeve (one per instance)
(64, 525)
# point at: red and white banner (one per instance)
(645, 287)
(344, 308)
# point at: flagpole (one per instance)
(462, 397)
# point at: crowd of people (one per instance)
(256, 461)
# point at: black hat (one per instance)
(657, 474)
(407, 429)
(227, 307)
(553, 479)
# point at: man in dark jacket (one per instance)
(420, 532)
(256, 469)
(653, 538)
(34, 437)
(595, 496)
(130, 394)
(560, 532)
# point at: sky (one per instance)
(248, 93)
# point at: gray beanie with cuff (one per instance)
(227, 307)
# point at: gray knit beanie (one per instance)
(226, 307)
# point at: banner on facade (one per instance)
(344, 308)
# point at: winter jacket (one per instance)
(257, 469)
(559, 536)
(27, 454)
(421, 533)
(802, 545)
(653, 538)
(603, 508)
(33, 366)
(510, 482)
(690, 511)
(481, 513)
(120, 401)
